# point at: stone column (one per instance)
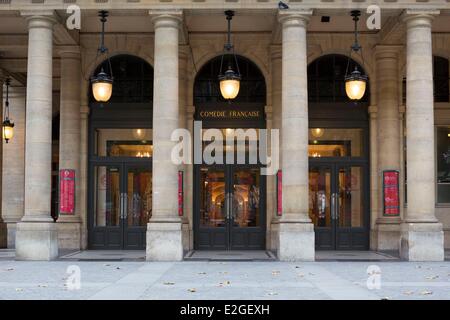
(3, 231)
(388, 134)
(422, 238)
(14, 166)
(276, 70)
(164, 235)
(296, 232)
(36, 235)
(69, 232)
(84, 128)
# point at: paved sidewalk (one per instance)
(224, 280)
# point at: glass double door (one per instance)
(120, 204)
(229, 208)
(338, 205)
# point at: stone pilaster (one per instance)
(3, 230)
(69, 232)
(276, 70)
(182, 123)
(14, 166)
(164, 234)
(388, 136)
(422, 238)
(296, 232)
(36, 235)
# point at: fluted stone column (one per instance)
(36, 235)
(276, 70)
(14, 166)
(296, 232)
(69, 232)
(422, 238)
(3, 231)
(164, 235)
(388, 135)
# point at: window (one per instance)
(443, 164)
(441, 79)
(326, 79)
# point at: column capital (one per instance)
(276, 51)
(166, 18)
(372, 110)
(40, 18)
(387, 51)
(419, 17)
(69, 52)
(294, 17)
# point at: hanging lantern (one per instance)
(355, 82)
(102, 83)
(7, 125)
(230, 80)
(317, 132)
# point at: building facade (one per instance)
(340, 161)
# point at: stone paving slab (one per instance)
(216, 280)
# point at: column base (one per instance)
(186, 235)
(69, 235)
(422, 242)
(296, 242)
(274, 243)
(164, 241)
(36, 241)
(3, 235)
(385, 237)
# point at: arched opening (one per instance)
(338, 158)
(120, 158)
(230, 196)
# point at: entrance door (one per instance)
(121, 202)
(338, 205)
(229, 208)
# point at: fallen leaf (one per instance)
(117, 268)
(275, 272)
(42, 285)
(192, 290)
(272, 293)
(408, 293)
(10, 269)
(426, 292)
(297, 267)
(201, 273)
(386, 298)
(106, 265)
(431, 277)
(168, 283)
(19, 289)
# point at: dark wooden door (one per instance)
(229, 207)
(119, 204)
(338, 193)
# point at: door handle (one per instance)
(333, 205)
(123, 205)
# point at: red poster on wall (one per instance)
(67, 191)
(279, 193)
(180, 193)
(391, 199)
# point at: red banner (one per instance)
(180, 193)
(279, 193)
(391, 199)
(67, 191)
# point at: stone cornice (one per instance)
(218, 5)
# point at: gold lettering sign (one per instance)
(239, 114)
